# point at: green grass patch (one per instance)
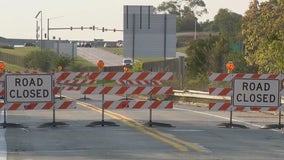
(19, 51)
(14, 68)
(182, 49)
(83, 62)
(118, 51)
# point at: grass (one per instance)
(182, 49)
(13, 68)
(82, 62)
(119, 51)
(19, 51)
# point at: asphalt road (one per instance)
(110, 59)
(183, 133)
(95, 54)
(192, 133)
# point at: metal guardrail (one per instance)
(199, 94)
(203, 95)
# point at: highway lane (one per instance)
(95, 54)
(110, 59)
(195, 135)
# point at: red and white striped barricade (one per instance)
(128, 90)
(225, 77)
(131, 75)
(138, 105)
(139, 82)
(62, 104)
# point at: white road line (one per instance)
(186, 130)
(3, 145)
(226, 118)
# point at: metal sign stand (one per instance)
(5, 118)
(103, 100)
(231, 118)
(53, 121)
(150, 118)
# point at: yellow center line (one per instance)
(177, 143)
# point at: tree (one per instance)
(45, 60)
(186, 12)
(263, 34)
(228, 24)
(206, 55)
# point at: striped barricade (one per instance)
(225, 77)
(139, 82)
(138, 105)
(229, 107)
(128, 90)
(39, 106)
(63, 76)
(131, 75)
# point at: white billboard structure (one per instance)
(147, 34)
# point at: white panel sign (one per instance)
(256, 92)
(146, 34)
(28, 88)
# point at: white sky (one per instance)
(17, 17)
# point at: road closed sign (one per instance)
(256, 92)
(28, 88)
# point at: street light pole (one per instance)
(37, 30)
(195, 19)
(48, 29)
(40, 12)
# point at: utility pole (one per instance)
(40, 12)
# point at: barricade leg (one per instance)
(279, 124)
(231, 119)
(150, 120)
(5, 118)
(53, 117)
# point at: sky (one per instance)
(17, 17)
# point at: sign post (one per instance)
(101, 65)
(257, 93)
(28, 88)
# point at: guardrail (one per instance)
(203, 95)
(199, 94)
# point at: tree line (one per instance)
(253, 41)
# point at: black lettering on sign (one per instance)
(266, 86)
(255, 87)
(245, 86)
(39, 82)
(26, 82)
(34, 93)
(17, 82)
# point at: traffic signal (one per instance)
(82, 27)
(103, 29)
(94, 27)
(71, 28)
(114, 30)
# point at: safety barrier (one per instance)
(148, 83)
(230, 77)
(62, 104)
(131, 83)
(139, 82)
